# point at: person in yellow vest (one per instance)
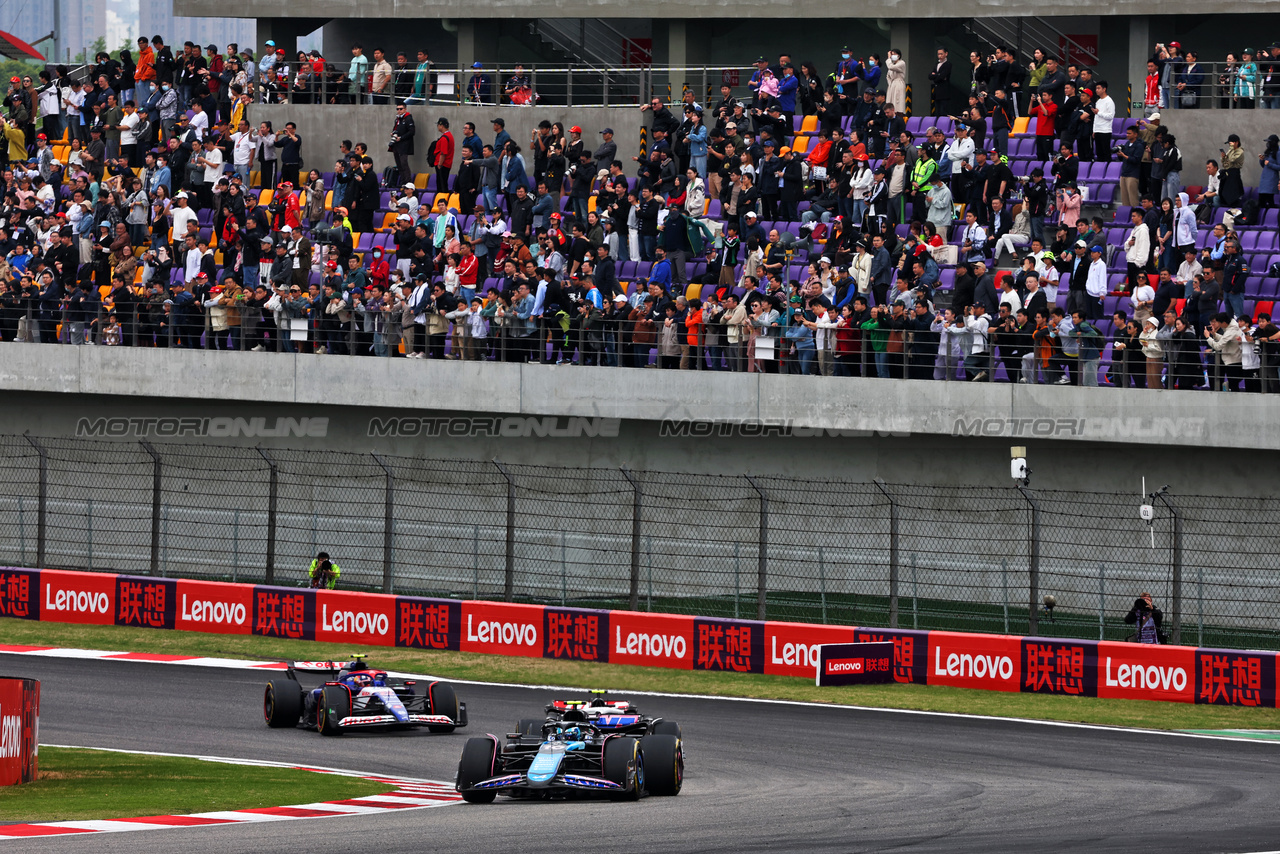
(324, 573)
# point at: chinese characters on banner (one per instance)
(733, 645)
(1226, 677)
(910, 652)
(19, 597)
(1060, 667)
(280, 612)
(428, 623)
(575, 634)
(148, 603)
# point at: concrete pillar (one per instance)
(466, 43)
(1139, 52)
(677, 44)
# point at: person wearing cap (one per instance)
(606, 152)
(478, 87)
(1244, 88)
(1231, 184)
(501, 137)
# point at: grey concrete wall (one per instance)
(323, 126)
(901, 431)
(1200, 133)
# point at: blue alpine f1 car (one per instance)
(582, 748)
(358, 697)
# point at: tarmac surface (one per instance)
(759, 777)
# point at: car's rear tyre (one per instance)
(335, 704)
(624, 765)
(444, 701)
(663, 763)
(665, 727)
(479, 757)
(529, 726)
(282, 703)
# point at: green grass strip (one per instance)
(621, 678)
(80, 784)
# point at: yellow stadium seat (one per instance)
(420, 180)
(254, 178)
(693, 291)
(591, 203)
(217, 257)
(388, 220)
(264, 197)
(809, 125)
(103, 290)
(137, 275)
(455, 202)
(1021, 125)
(328, 200)
(435, 200)
(801, 144)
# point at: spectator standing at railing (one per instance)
(382, 88)
(356, 76)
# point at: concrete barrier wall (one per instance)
(1201, 133)
(854, 406)
(324, 127)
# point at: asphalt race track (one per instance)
(760, 777)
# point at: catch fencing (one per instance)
(762, 547)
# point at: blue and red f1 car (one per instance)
(581, 748)
(358, 697)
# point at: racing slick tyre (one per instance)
(335, 704)
(624, 765)
(529, 726)
(667, 728)
(663, 758)
(443, 702)
(478, 763)
(282, 703)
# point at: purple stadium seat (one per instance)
(1113, 172)
(915, 124)
(365, 242)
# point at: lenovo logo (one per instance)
(76, 601)
(493, 631)
(354, 622)
(655, 646)
(207, 611)
(974, 666)
(1152, 677)
(845, 665)
(795, 654)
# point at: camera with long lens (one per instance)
(327, 233)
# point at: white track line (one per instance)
(412, 794)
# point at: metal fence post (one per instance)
(155, 506)
(388, 528)
(42, 508)
(633, 594)
(1033, 586)
(1175, 632)
(762, 573)
(508, 583)
(272, 496)
(893, 554)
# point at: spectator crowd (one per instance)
(810, 226)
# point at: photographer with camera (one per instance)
(1147, 619)
(323, 572)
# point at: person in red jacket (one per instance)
(1045, 113)
(442, 155)
(284, 208)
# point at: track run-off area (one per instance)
(760, 776)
